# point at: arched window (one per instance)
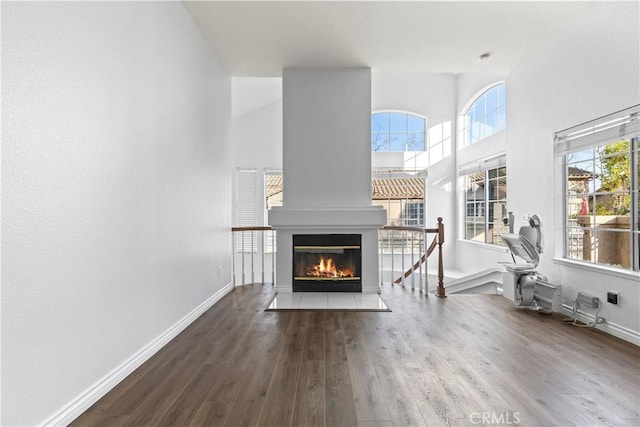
(395, 131)
(485, 116)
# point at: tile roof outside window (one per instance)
(411, 188)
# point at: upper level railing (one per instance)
(404, 248)
(245, 241)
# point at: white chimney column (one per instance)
(327, 165)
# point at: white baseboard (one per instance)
(84, 400)
(611, 328)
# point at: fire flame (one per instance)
(326, 268)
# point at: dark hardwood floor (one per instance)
(464, 360)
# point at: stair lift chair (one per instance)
(521, 283)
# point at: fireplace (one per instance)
(327, 183)
(327, 263)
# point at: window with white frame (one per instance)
(485, 201)
(272, 189)
(396, 131)
(401, 192)
(414, 213)
(485, 116)
(273, 192)
(601, 172)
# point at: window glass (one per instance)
(380, 122)
(397, 142)
(599, 188)
(415, 141)
(491, 123)
(485, 116)
(380, 142)
(394, 131)
(492, 99)
(415, 124)
(486, 205)
(398, 122)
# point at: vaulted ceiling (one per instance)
(260, 38)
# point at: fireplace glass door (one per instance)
(327, 263)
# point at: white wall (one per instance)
(472, 257)
(590, 71)
(257, 138)
(256, 131)
(116, 205)
(432, 96)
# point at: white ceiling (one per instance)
(260, 38)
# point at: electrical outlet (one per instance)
(588, 300)
(613, 297)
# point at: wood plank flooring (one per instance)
(461, 361)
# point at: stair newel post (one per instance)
(440, 292)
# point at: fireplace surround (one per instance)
(363, 221)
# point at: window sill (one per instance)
(603, 269)
(502, 249)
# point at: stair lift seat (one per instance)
(521, 282)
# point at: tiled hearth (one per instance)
(327, 301)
